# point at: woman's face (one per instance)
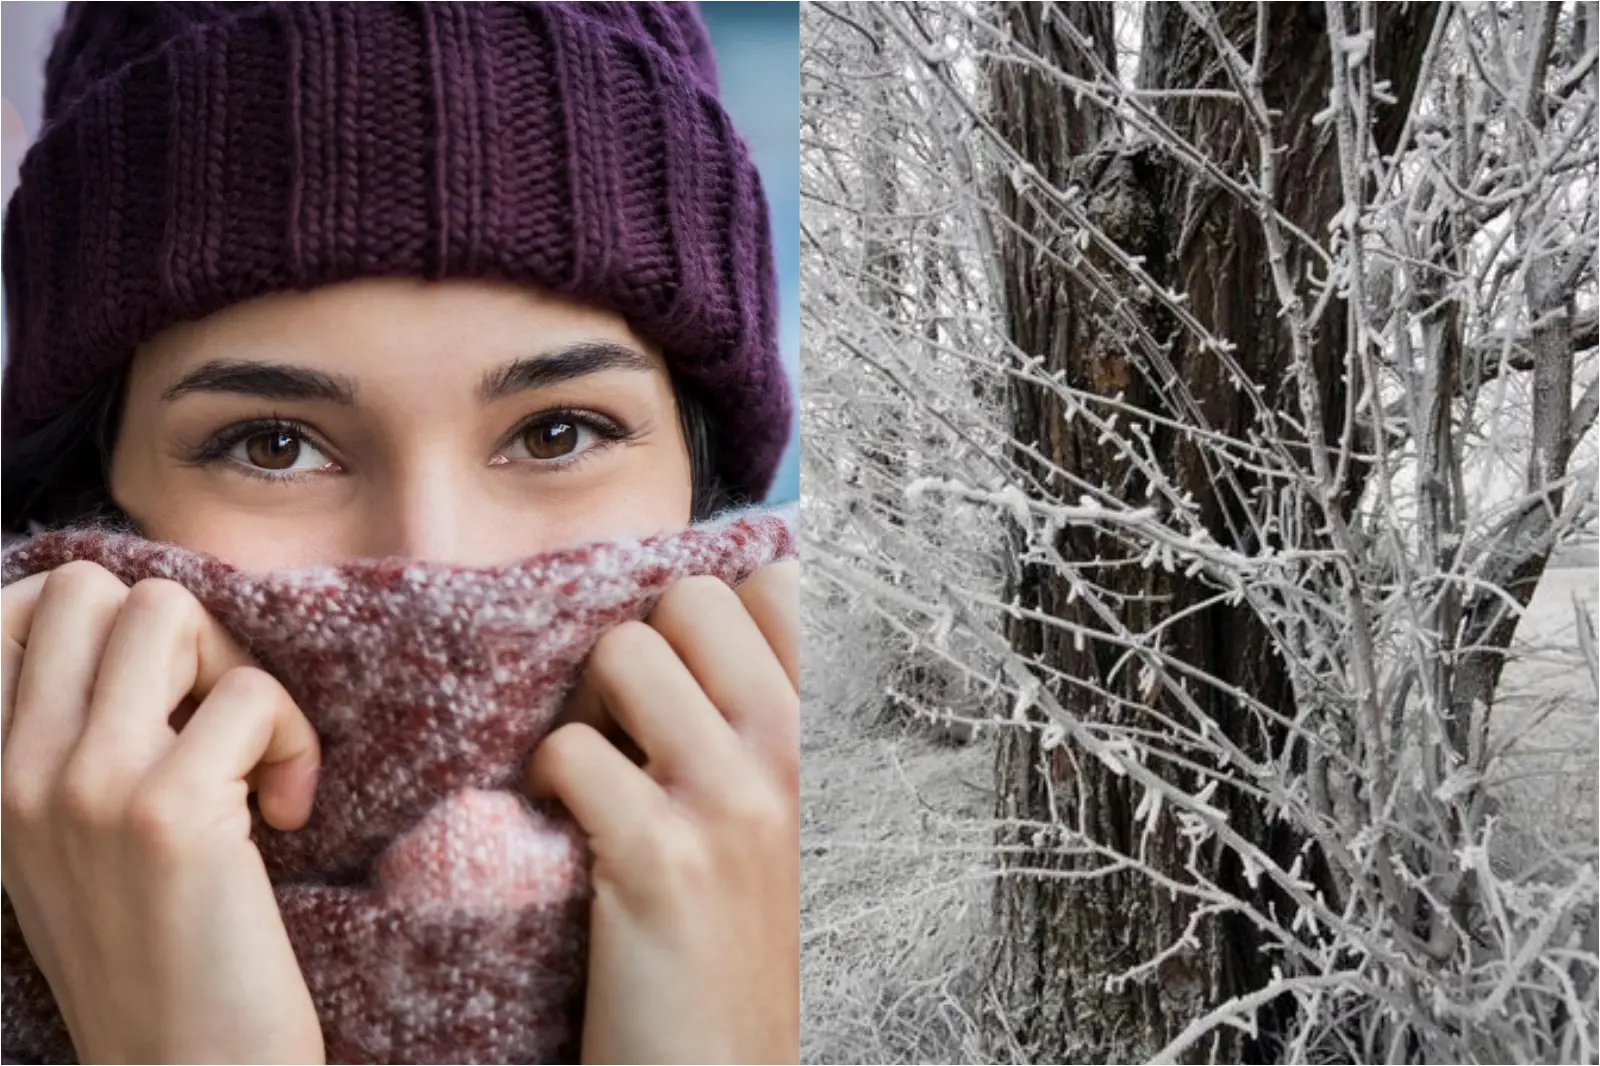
(468, 422)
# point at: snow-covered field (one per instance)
(1548, 788)
(894, 882)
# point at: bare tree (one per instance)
(1237, 422)
(1102, 328)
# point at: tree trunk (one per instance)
(1059, 938)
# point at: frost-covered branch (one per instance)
(1203, 445)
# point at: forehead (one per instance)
(373, 329)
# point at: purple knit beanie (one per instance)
(197, 154)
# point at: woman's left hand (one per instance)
(694, 944)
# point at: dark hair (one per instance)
(59, 475)
(711, 494)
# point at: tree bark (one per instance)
(1060, 937)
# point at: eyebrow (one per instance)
(551, 368)
(284, 381)
(272, 381)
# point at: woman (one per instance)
(293, 284)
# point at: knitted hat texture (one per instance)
(195, 155)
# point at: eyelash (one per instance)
(216, 448)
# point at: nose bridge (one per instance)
(421, 512)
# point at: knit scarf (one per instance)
(437, 915)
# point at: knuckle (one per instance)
(693, 595)
(779, 578)
(787, 767)
(621, 645)
(22, 801)
(80, 798)
(82, 579)
(164, 599)
(676, 855)
(249, 685)
(761, 814)
(155, 816)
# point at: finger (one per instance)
(164, 647)
(249, 724)
(18, 603)
(585, 707)
(76, 611)
(610, 798)
(635, 679)
(708, 627)
(772, 596)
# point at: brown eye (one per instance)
(270, 452)
(551, 440)
(273, 450)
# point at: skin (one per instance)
(126, 840)
(418, 464)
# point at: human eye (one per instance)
(267, 449)
(555, 439)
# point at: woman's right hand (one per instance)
(127, 850)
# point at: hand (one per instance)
(694, 950)
(127, 851)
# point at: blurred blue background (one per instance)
(758, 59)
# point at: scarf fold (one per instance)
(438, 916)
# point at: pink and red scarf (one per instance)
(437, 915)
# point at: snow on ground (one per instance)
(892, 890)
(1547, 787)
